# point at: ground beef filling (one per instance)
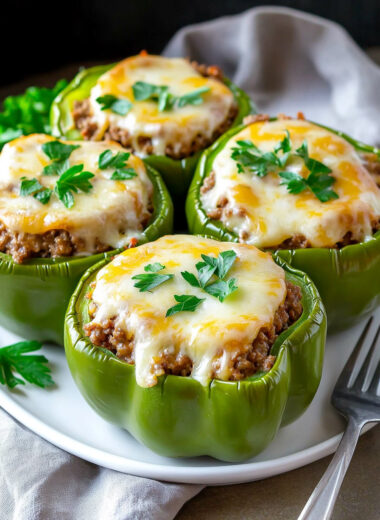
(246, 361)
(83, 121)
(52, 244)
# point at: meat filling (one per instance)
(244, 362)
(83, 121)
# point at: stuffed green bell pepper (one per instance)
(304, 190)
(166, 110)
(196, 346)
(64, 207)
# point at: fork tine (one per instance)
(360, 379)
(372, 389)
(345, 375)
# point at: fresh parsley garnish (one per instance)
(319, 180)
(221, 289)
(153, 268)
(72, 181)
(249, 158)
(192, 98)
(33, 187)
(118, 161)
(186, 302)
(151, 278)
(210, 267)
(119, 106)
(166, 101)
(123, 174)
(59, 153)
(32, 368)
(142, 91)
(28, 113)
(319, 183)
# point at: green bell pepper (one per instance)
(177, 174)
(347, 279)
(36, 292)
(179, 417)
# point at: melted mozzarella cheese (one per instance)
(270, 214)
(110, 213)
(213, 327)
(177, 127)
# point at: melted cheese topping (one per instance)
(176, 128)
(203, 334)
(265, 214)
(111, 212)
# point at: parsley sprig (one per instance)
(117, 161)
(186, 302)
(151, 278)
(72, 181)
(217, 267)
(250, 158)
(319, 180)
(118, 106)
(166, 101)
(32, 368)
(59, 153)
(33, 187)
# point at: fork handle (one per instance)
(321, 502)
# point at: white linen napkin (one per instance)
(288, 61)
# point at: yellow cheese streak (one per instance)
(177, 127)
(265, 214)
(212, 328)
(111, 212)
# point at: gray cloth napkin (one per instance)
(287, 61)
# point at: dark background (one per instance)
(43, 36)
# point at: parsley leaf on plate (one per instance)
(27, 113)
(119, 106)
(32, 368)
(73, 180)
(33, 187)
(186, 302)
(143, 90)
(151, 278)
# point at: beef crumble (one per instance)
(53, 243)
(83, 121)
(244, 362)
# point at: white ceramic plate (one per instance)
(61, 416)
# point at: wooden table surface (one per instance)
(281, 497)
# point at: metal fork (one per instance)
(360, 406)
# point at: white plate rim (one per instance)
(216, 475)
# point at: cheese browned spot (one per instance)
(226, 340)
(262, 212)
(105, 218)
(177, 133)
